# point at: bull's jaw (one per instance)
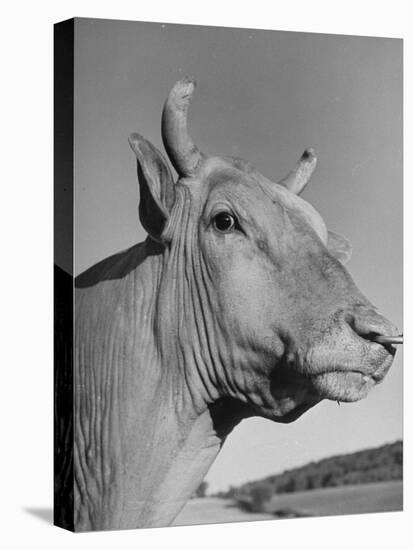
(289, 409)
(294, 389)
(283, 404)
(290, 406)
(285, 394)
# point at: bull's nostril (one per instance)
(373, 327)
(350, 320)
(371, 336)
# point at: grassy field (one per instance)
(354, 499)
(351, 499)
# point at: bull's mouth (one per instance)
(295, 389)
(349, 385)
(297, 386)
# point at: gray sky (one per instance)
(265, 96)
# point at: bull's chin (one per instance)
(345, 386)
(289, 409)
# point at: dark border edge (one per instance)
(63, 513)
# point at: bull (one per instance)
(237, 304)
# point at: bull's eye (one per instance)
(224, 222)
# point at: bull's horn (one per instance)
(298, 178)
(183, 153)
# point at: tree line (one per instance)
(383, 463)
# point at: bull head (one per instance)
(254, 297)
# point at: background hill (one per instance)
(384, 463)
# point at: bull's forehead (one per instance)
(237, 182)
(304, 209)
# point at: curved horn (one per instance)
(298, 178)
(182, 151)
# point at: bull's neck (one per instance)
(146, 444)
(167, 460)
(185, 432)
(184, 420)
(186, 326)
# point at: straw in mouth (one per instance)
(380, 339)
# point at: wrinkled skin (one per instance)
(181, 337)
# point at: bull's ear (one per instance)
(339, 247)
(157, 193)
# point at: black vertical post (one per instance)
(63, 273)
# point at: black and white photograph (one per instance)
(205, 275)
(236, 203)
